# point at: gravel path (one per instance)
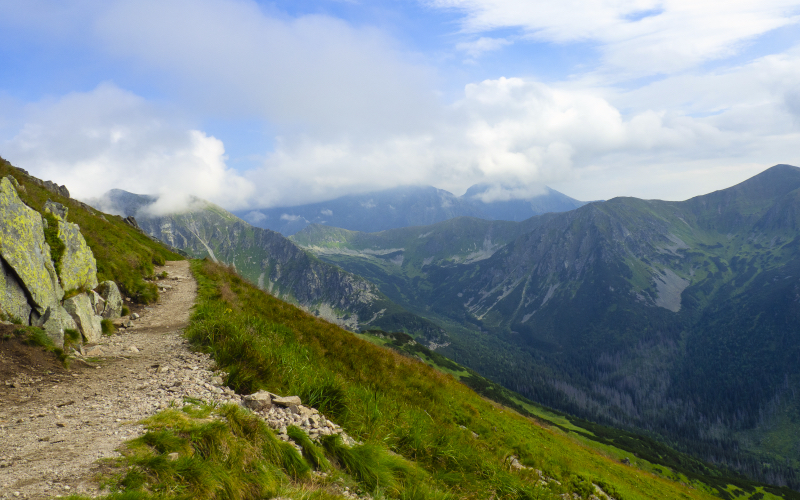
(54, 428)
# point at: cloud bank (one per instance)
(346, 108)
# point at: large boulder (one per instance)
(109, 292)
(81, 310)
(54, 321)
(13, 299)
(23, 248)
(78, 266)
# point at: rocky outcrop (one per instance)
(109, 293)
(57, 209)
(31, 289)
(54, 321)
(78, 266)
(14, 304)
(23, 248)
(81, 310)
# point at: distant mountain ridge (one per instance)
(403, 207)
(679, 318)
(274, 263)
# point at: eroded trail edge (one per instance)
(55, 427)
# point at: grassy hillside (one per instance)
(123, 254)
(428, 435)
(676, 318)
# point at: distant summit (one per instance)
(404, 207)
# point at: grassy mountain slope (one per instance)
(460, 442)
(674, 317)
(275, 264)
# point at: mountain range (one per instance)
(406, 206)
(275, 264)
(677, 318)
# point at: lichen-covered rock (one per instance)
(78, 266)
(57, 209)
(81, 310)
(109, 291)
(23, 247)
(54, 321)
(13, 299)
(98, 303)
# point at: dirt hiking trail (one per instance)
(55, 423)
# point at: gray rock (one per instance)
(260, 401)
(98, 303)
(55, 188)
(109, 291)
(57, 209)
(81, 310)
(95, 351)
(13, 300)
(54, 321)
(78, 266)
(135, 316)
(287, 401)
(23, 248)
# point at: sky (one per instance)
(254, 104)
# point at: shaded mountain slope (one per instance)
(680, 318)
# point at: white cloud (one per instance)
(291, 218)
(109, 138)
(636, 36)
(328, 212)
(255, 217)
(235, 58)
(482, 45)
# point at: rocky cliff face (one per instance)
(41, 257)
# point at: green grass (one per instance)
(107, 326)
(57, 246)
(414, 421)
(123, 254)
(35, 336)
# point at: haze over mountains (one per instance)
(676, 318)
(407, 206)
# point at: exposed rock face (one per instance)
(78, 266)
(57, 209)
(13, 297)
(81, 310)
(23, 248)
(109, 292)
(54, 321)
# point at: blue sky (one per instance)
(253, 104)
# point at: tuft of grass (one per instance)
(200, 452)
(35, 336)
(126, 310)
(107, 326)
(373, 466)
(57, 247)
(71, 337)
(313, 453)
